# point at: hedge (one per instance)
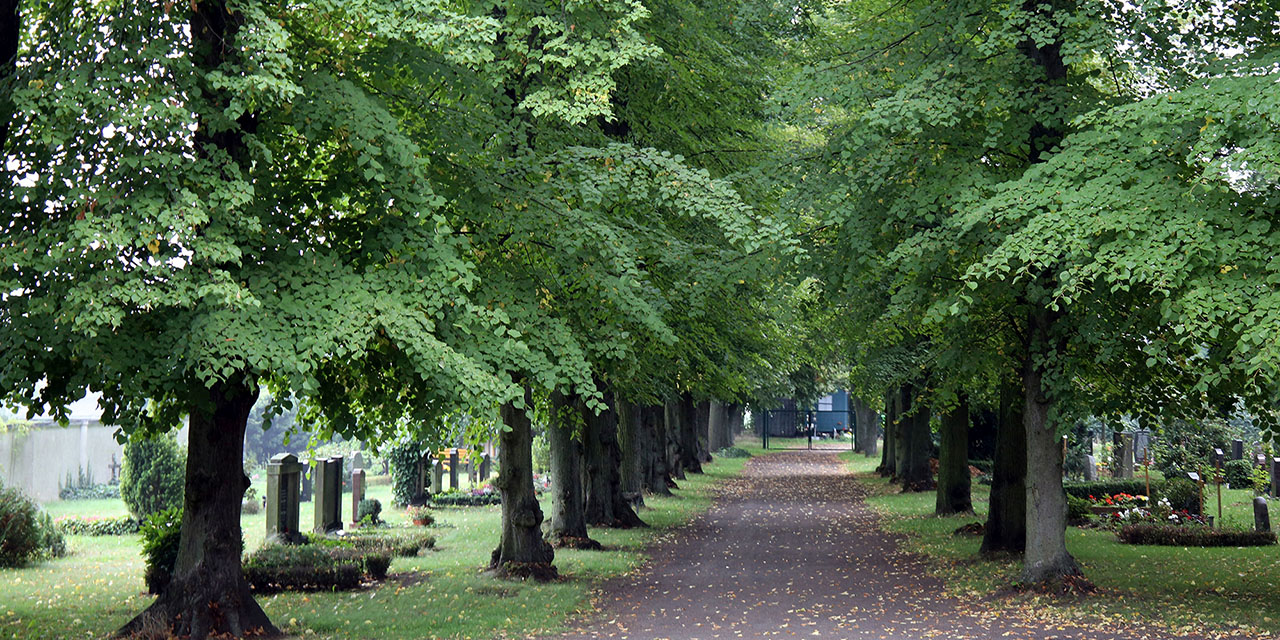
(313, 567)
(465, 500)
(1192, 536)
(90, 492)
(1100, 488)
(121, 526)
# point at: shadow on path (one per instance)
(790, 549)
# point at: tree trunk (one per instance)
(901, 433)
(1006, 529)
(739, 422)
(653, 430)
(1047, 560)
(953, 462)
(606, 507)
(208, 595)
(866, 427)
(889, 455)
(674, 435)
(916, 444)
(704, 430)
(567, 526)
(719, 427)
(687, 423)
(733, 423)
(521, 552)
(629, 429)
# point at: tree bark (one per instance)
(567, 526)
(687, 423)
(703, 426)
(208, 595)
(866, 427)
(1006, 529)
(606, 507)
(916, 444)
(719, 427)
(629, 438)
(653, 432)
(889, 455)
(674, 437)
(1047, 560)
(901, 434)
(521, 551)
(954, 481)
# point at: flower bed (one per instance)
(1192, 536)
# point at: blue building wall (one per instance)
(833, 413)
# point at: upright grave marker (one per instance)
(1090, 469)
(328, 494)
(357, 494)
(437, 477)
(284, 480)
(1237, 449)
(453, 469)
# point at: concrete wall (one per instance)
(38, 461)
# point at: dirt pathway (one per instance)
(791, 550)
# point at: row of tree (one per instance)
(1044, 210)
(387, 213)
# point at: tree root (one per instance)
(574, 542)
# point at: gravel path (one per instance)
(791, 550)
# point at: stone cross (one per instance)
(115, 469)
(328, 494)
(357, 494)
(284, 479)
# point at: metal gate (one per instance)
(790, 424)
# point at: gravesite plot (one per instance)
(651, 320)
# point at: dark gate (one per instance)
(798, 423)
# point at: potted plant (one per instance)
(420, 516)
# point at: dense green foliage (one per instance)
(1193, 536)
(161, 532)
(92, 526)
(313, 567)
(153, 476)
(27, 534)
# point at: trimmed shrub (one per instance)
(90, 492)
(1102, 488)
(396, 544)
(1192, 536)
(121, 526)
(369, 512)
(1078, 510)
(27, 534)
(733, 452)
(1182, 494)
(152, 477)
(465, 499)
(313, 567)
(251, 504)
(1238, 473)
(161, 533)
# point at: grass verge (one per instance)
(440, 594)
(1218, 591)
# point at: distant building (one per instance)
(37, 456)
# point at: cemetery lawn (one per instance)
(1229, 590)
(439, 594)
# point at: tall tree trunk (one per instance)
(865, 422)
(901, 433)
(953, 462)
(916, 445)
(567, 526)
(704, 430)
(688, 425)
(1047, 560)
(208, 595)
(889, 455)
(1006, 529)
(733, 423)
(657, 472)
(630, 471)
(521, 552)
(674, 435)
(606, 507)
(719, 429)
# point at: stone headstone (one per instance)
(1090, 469)
(328, 494)
(357, 461)
(1237, 449)
(485, 463)
(1261, 517)
(1275, 478)
(284, 480)
(1142, 446)
(1122, 465)
(357, 493)
(453, 469)
(308, 479)
(437, 477)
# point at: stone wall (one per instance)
(37, 462)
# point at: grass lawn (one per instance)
(440, 594)
(1210, 590)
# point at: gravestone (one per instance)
(357, 494)
(453, 469)
(1275, 478)
(485, 463)
(328, 494)
(1122, 452)
(1090, 469)
(1237, 449)
(284, 480)
(1218, 457)
(1261, 517)
(304, 495)
(437, 477)
(357, 461)
(1142, 446)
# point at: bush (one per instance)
(403, 458)
(1078, 510)
(27, 534)
(396, 544)
(1183, 495)
(1238, 473)
(152, 477)
(251, 504)
(984, 466)
(161, 533)
(1192, 536)
(1102, 488)
(733, 452)
(369, 512)
(465, 499)
(313, 567)
(121, 526)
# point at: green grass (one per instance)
(1219, 589)
(441, 594)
